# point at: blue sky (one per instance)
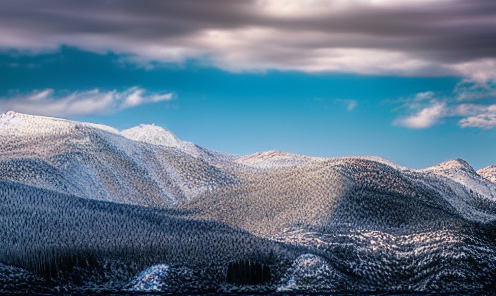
(217, 81)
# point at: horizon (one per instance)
(411, 82)
(172, 132)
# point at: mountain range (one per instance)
(87, 208)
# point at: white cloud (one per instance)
(350, 104)
(484, 121)
(45, 102)
(425, 118)
(426, 95)
(480, 71)
(427, 110)
(134, 99)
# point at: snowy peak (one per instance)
(19, 124)
(152, 134)
(453, 165)
(489, 173)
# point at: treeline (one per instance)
(248, 272)
(53, 234)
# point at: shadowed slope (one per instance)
(64, 237)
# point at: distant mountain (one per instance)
(85, 207)
(145, 165)
(272, 158)
(489, 173)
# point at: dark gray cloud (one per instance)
(406, 37)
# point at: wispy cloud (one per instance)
(469, 91)
(350, 104)
(426, 109)
(81, 103)
(392, 37)
(484, 121)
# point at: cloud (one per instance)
(388, 37)
(484, 121)
(426, 95)
(469, 91)
(350, 104)
(426, 110)
(84, 103)
(425, 118)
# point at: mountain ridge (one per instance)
(361, 223)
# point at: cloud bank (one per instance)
(45, 102)
(387, 37)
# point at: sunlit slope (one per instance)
(97, 162)
(489, 173)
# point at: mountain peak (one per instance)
(9, 113)
(454, 164)
(489, 173)
(152, 134)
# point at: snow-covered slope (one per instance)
(274, 159)
(145, 165)
(489, 173)
(149, 165)
(362, 223)
(460, 171)
(18, 124)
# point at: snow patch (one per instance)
(310, 273)
(154, 279)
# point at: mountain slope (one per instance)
(96, 161)
(92, 206)
(104, 244)
(489, 173)
(351, 192)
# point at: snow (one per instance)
(23, 125)
(152, 134)
(274, 159)
(460, 171)
(489, 173)
(455, 180)
(309, 272)
(154, 279)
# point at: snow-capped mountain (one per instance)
(146, 165)
(489, 173)
(152, 213)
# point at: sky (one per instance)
(411, 81)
